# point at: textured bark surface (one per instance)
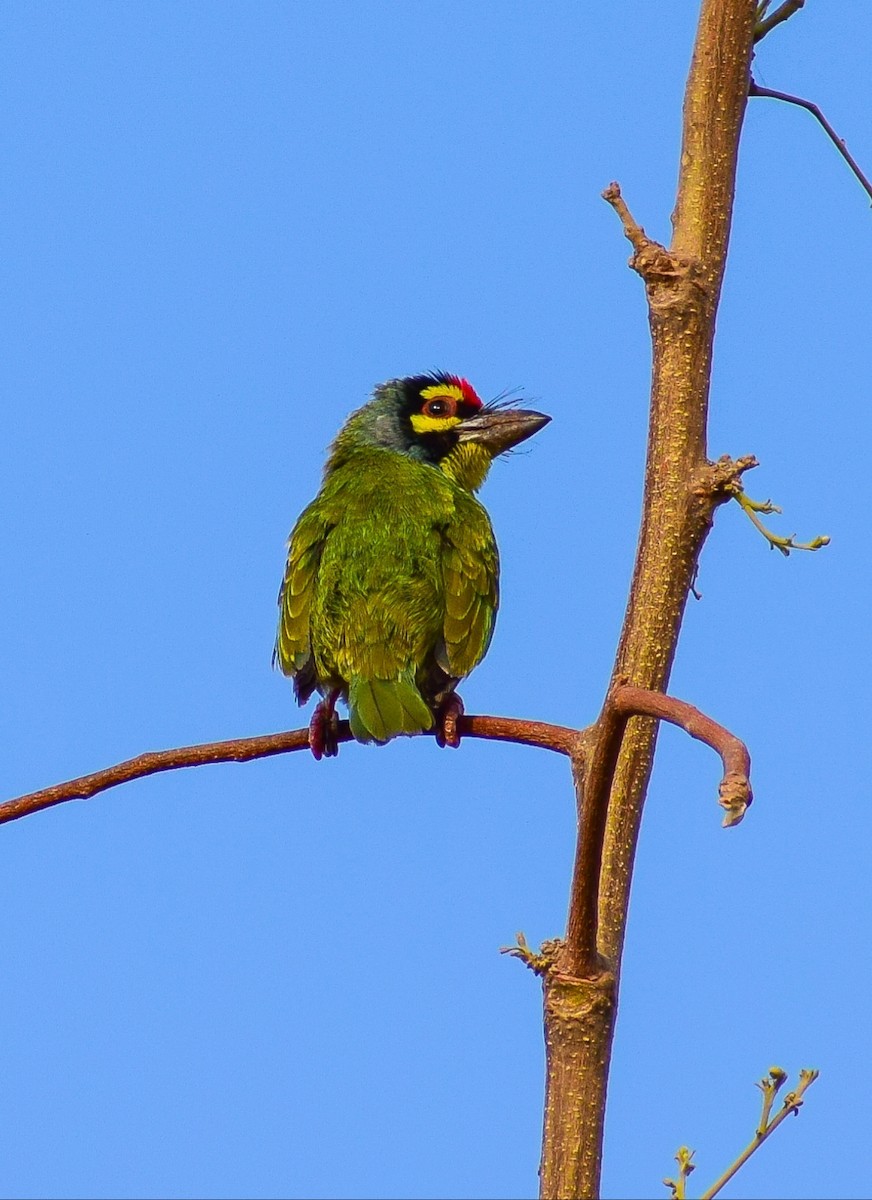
(682, 490)
(579, 1017)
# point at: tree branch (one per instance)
(682, 490)
(839, 143)
(502, 729)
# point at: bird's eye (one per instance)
(440, 406)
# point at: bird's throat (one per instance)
(467, 465)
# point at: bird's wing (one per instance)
(293, 653)
(470, 574)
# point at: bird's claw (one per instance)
(447, 716)
(324, 727)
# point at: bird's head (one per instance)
(439, 419)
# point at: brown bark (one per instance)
(579, 1022)
(682, 489)
(500, 729)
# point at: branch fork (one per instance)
(623, 702)
(579, 983)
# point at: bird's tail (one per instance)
(379, 709)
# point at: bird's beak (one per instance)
(498, 430)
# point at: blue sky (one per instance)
(223, 224)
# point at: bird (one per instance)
(391, 586)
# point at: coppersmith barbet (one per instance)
(391, 586)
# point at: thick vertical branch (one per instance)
(681, 487)
(579, 1022)
(681, 492)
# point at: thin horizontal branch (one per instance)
(560, 738)
(623, 702)
(502, 729)
(839, 143)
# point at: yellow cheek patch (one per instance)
(443, 389)
(421, 423)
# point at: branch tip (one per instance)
(684, 1158)
(776, 542)
(633, 232)
(770, 1085)
(734, 796)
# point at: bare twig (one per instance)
(781, 14)
(839, 143)
(503, 729)
(792, 1103)
(623, 702)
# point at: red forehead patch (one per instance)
(468, 392)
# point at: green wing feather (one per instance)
(293, 651)
(470, 573)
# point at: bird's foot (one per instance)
(447, 715)
(323, 728)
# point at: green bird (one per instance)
(392, 581)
